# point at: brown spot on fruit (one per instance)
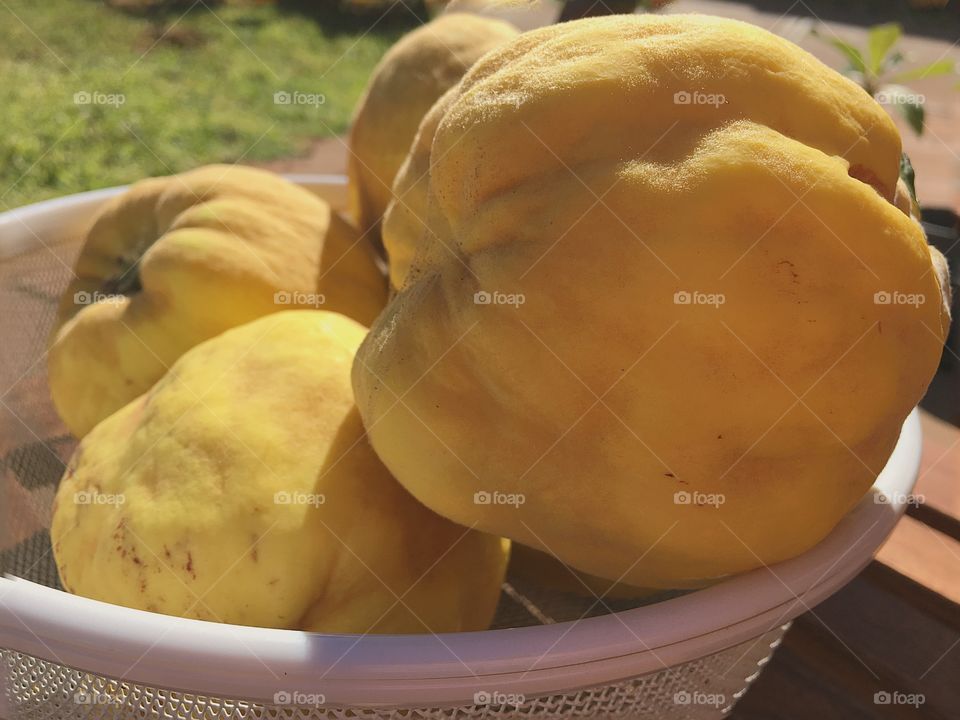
(253, 548)
(789, 266)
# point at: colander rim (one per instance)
(255, 663)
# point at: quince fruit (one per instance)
(412, 75)
(666, 296)
(177, 260)
(406, 227)
(241, 489)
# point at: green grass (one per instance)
(205, 93)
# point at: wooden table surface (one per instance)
(888, 644)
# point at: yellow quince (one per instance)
(405, 84)
(406, 230)
(242, 489)
(665, 296)
(174, 261)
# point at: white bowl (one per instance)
(426, 671)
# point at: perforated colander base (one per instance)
(699, 690)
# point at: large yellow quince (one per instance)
(242, 489)
(666, 299)
(405, 84)
(176, 260)
(407, 223)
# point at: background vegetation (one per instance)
(197, 86)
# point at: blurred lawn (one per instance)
(203, 93)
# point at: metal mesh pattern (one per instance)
(34, 448)
(699, 690)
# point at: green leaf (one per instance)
(908, 175)
(895, 59)
(934, 69)
(880, 39)
(908, 103)
(853, 55)
(914, 115)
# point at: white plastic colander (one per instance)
(551, 656)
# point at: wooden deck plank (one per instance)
(939, 479)
(939, 482)
(881, 633)
(925, 555)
